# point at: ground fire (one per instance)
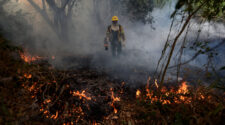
(78, 103)
(67, 98)
(179, 96)
(113, 62)
(28, 58)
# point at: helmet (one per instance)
(115, 18)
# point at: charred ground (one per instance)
(37, 93)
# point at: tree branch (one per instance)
(43, 14)
(175, 41)
(198, 53)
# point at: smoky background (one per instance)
(25, 26)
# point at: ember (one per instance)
(81, 95)
(28, 76)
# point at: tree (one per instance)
(207, 9)
(140, 10)
(62, 11)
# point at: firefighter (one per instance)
(115, 35)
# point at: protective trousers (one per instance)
(116, 48)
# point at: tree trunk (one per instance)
(175, 41)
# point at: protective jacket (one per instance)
(115, 33)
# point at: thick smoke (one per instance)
(87, 31)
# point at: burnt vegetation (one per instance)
(33, 91)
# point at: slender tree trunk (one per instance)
(175, 41)
(61, 21)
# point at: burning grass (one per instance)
(69, 105)
(45, 95)
(183, 104)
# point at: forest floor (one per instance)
(36, 93)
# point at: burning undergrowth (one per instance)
(183, 104)
(85, 96)
(72, 96)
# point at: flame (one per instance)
(148, 95)
(28, 76)
(166, 102)
(32, 87)
(201, 96)
(181, 94)
(81, 95)
(35, 87)
(68, 123)
(28, 58)
(138, 93)
(114, 99)
(183, 89)
(55, 116)
(94, 123)
(47, 101)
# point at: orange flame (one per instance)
(28, 58)
(138, 93)
(55, 116)
(28, 76)
(148, 94)
(81, 95)
(32, 87)
(47, 101)
(183, 89)
(114, 99)
(181, 97)
(201, 97)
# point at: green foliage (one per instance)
(203, 47)
(211, 9)
(139, 10)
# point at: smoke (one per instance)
(87, 31)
